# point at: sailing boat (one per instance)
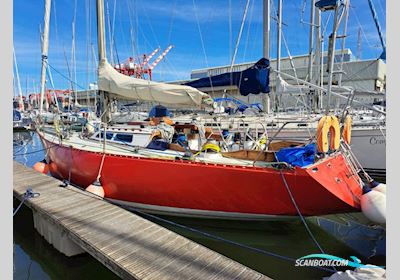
(208, 184)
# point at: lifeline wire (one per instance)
(301, 216)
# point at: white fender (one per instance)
(373, 206)
(380, 187)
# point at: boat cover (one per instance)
(124, 87)
(16, 116)
(253, 80)
(159, 111)
(297, 156)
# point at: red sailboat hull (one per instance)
(181, 187)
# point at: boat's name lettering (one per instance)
(377, 141)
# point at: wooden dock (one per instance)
(130, 246)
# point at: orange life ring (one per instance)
(328, 124)
(347, 129)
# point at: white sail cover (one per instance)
(128, 88)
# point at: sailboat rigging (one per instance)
(209, 182)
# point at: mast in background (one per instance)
(359, 43)
(21, 100)
(278, 53)
(340, 9)
(45, 47)
(378, 27)
(266, 32)
(318, 74)
(311, 42)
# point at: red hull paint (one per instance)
(212, 187)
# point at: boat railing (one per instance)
(353, 162)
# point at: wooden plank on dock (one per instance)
(129, 245)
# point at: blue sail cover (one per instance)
(253, 80)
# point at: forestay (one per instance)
(124, 87)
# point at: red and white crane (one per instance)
(141, 67)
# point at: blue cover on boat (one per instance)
(159, 111)
(16, 116)
(253, 80)
(325, 5)
(158, 144)
(300, 156)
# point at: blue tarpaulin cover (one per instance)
(299, 156)
(253, 80)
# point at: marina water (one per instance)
(341, 236)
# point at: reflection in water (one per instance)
(343, 237)
(22, 138)
(368, 241)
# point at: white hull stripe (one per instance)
(203, 214)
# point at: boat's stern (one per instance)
(336, 175)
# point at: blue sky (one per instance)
(177, 22)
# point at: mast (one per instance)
(331, 46)
(359, 50)
(343, 37)
(318, 75)
(278, 54)
(266, 32)
(73, 63)
(311, 42)
(21, 101)
(101, 42)
(73, 57)
(378, 27)
(45, 47)
(109, 34)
